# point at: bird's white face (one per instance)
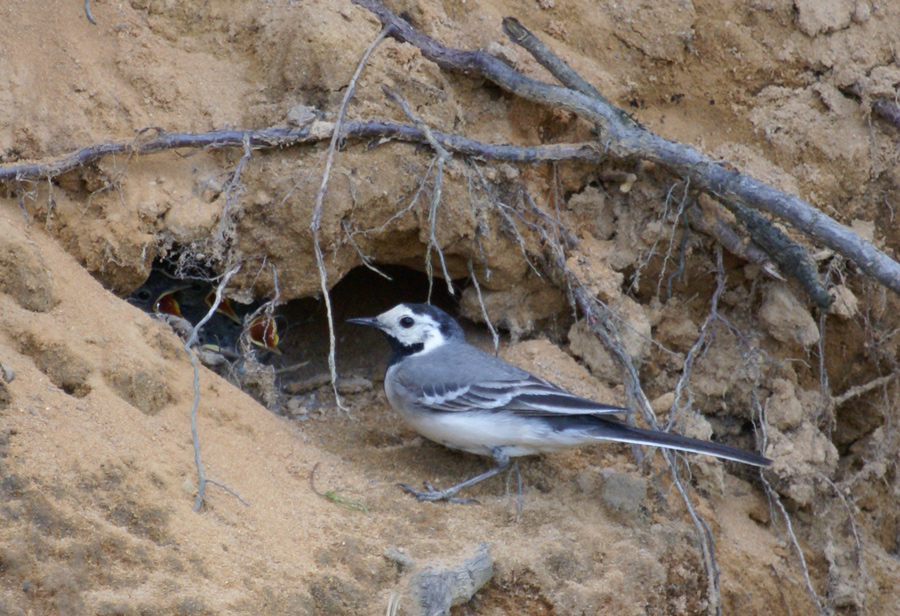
(410, 328)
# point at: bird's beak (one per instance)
(369, 321)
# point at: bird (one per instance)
(262, 331)
(459, 396)
(191, 299)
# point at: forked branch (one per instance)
(625, 139)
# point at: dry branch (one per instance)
(317, 212)
(87, 12)
(791, 256)
(435, 590)
(283, 137)
(624, 139)
(189, 349)
(715, 226)
(441, 157)
(773, 496)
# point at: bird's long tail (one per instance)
(609, 428)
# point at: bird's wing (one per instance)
(462, 378)
(530, 396)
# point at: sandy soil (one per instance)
(97, 474)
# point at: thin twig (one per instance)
(484, 312)
(442, 156)
(281, 137)
(188, 347)
(230, 192)
(863, 579)
(362, 257)
(703, 338)
(87, 12)
(682, 203)
(503, 209)
(860, 390)
(774, 498)
(566, 236)
(227, 489)
(317, 212)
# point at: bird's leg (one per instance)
(431, 495)
(515, 468)
(519, 492)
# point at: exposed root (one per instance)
(441, 157)
(682, 204)
(188, 347)
(600, 321)
(234, 189)
(861, 390)
(317, 212)
(484, 312)
(704, 339)
(412, 204)
(506, 212)
(601, 328)
(625, 139)
(365, 259)
(775, 499)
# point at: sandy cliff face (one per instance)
(97, 475)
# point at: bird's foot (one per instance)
(429, 494)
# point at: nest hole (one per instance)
(360, 351)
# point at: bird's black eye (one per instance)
(407, 322)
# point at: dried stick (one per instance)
(705, 335)
(280, 137)
(317, 212)
(626, 140)
(520, 35)
(774, 498)
(790, 255)
(233, 187)
(435, 589)
(860, 390)
(442, 155)
(269, 138)
(704, 533)
(87, 12)
(188, 347)
(717, 228)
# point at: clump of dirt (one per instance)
(97, 475)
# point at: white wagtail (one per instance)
(459, 396)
